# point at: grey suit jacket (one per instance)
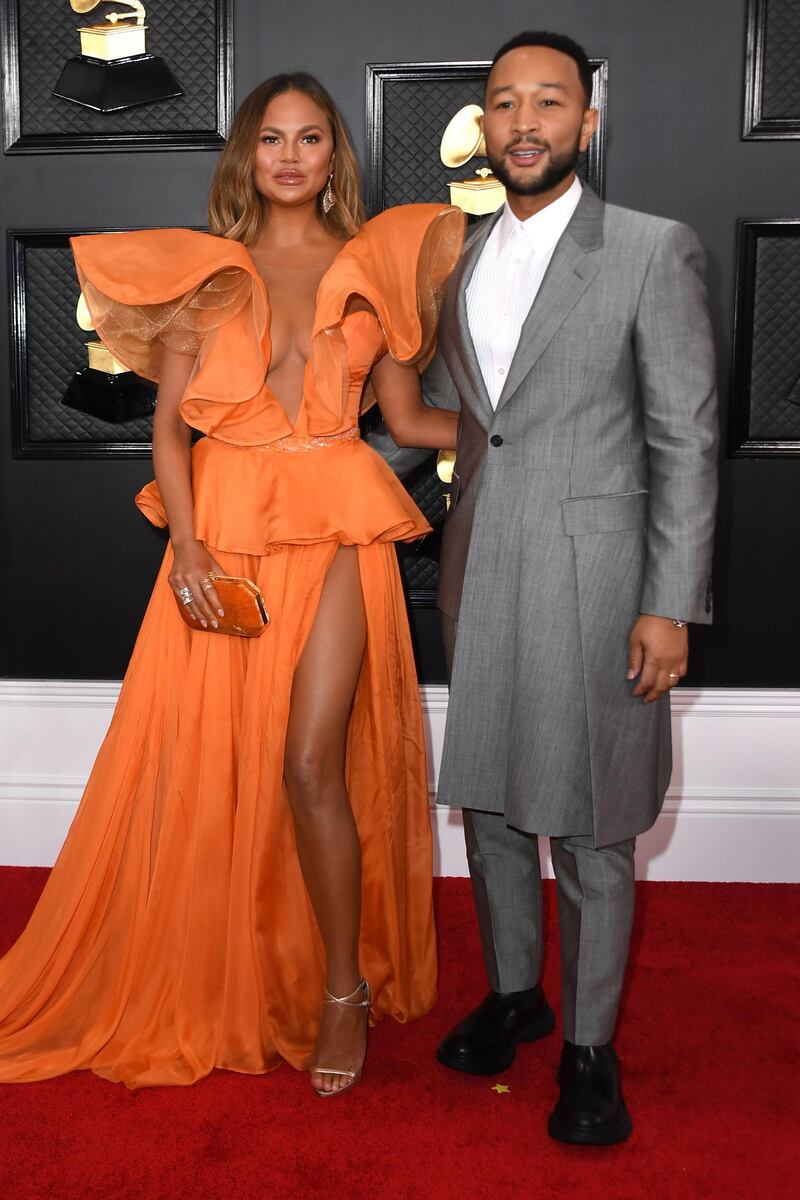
(586, 498)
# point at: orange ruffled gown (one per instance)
(175, 933)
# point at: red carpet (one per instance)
(708, 1040)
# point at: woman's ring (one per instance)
(672, 675)
(186, 595)
(206, 584)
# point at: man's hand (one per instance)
(658, 654)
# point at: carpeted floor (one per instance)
(708, 1039)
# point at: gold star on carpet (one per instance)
(501, 1088)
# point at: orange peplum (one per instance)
(175, 934)
(254, 499)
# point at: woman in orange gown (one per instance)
(254, 839)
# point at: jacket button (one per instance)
(495, 440)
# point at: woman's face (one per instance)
(294, 156)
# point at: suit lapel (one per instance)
(568, 275)
(462, 339)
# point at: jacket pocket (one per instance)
(604, 514)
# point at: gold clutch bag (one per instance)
(245, 611)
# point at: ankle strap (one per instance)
(362, 986)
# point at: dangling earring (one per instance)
(328, 198)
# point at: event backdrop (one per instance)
(701, 123)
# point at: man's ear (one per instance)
(589, 124)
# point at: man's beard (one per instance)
(556, 172)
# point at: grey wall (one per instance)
(78, 561)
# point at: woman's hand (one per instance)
(191, 570)
(172, 459)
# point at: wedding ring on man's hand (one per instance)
(672, 675)
(186, 595)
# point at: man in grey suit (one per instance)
(575, 339)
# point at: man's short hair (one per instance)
(553, 41)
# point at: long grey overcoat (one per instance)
(585, 499)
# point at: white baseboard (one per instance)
(732, 812)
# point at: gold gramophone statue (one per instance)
(106, 388)
(462, 140)
(114, 70)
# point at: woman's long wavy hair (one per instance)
(235, 208)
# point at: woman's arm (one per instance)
(172, 460)
(409, 420)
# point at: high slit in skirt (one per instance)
(175, 933)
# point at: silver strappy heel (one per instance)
(362, 988)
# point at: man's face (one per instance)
(536, 122)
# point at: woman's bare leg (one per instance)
(327, 841)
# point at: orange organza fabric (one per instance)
(175, 934)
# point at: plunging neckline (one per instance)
(293, 423)
(263, 282)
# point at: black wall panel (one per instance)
(78, 560)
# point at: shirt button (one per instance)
(495, 440)
(517, 261)
(501, 370)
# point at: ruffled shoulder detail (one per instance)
(160, 287)
(399, 262)
(196, 294)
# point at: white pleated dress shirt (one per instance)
(506, 280)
